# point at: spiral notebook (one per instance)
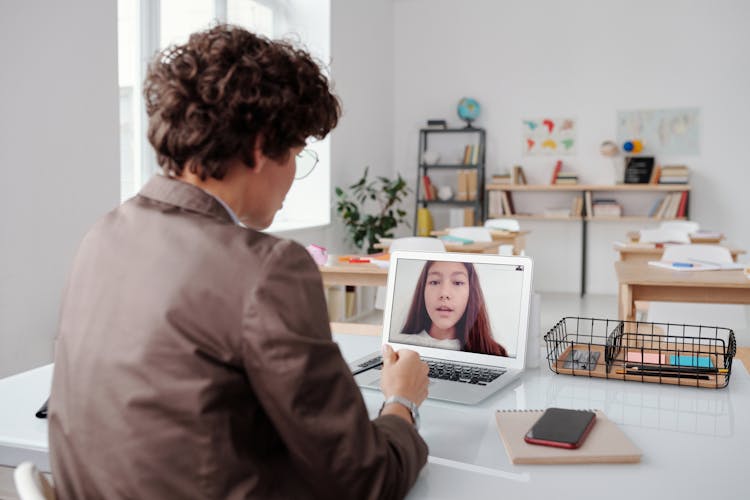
(606, 443)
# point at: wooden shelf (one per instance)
(537, 217)
(589, 187)
(578, 218)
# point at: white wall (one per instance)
(362, 73)
(59, 158)
(582, 59)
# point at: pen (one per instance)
(359, 261)
(682, 264)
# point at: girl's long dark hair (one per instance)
(472, 330)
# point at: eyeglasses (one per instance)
(305, 163)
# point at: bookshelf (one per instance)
(460, 165)
(588, 192)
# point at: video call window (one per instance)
(460, 306)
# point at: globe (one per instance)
(468, 110)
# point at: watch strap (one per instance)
(410, 405)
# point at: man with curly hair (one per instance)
(194, 357)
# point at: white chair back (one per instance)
(709, 253)
(31, 484)
(417, 244)
(503, 224)
(660, 235)
(687, 226)
(474, 233)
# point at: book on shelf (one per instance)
(576, 207)
(556, 171)
(655, 175)
(682, 209)
(566, 178)
(502, 178)
(638, 169)
(655, 206)
(674, 174)
(468, 217)
(472, 180)
(518, 176)
(589, 205)
(494, 203)
(507, 202)
(462, 194)
(427, 188)
(455, 217)
(606, 207)
(471, 154)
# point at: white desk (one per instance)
(694, 441)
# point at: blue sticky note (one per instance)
(698, 361)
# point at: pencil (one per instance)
(642, 373)
(675, 368)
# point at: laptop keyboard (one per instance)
(470, 374)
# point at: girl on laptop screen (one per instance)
(448, 311)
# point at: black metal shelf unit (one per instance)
(478, 202)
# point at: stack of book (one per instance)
(566, 178)
(674, 174)
(501, 178)
(606, 207)
(672, 206)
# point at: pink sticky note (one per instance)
(647, 357)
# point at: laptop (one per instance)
(467, 315)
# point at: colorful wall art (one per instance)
(548, 136)
(662, 131)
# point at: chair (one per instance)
(474, 233)
(31, 484)
(413, 243)
(686, 226)
(660, 235)
(503, 224)
(727, 315)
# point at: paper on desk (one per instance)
(673, 265)
(724, 266)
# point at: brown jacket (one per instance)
(195, 360)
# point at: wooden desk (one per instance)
(515, 238)
(477, 247)
(354, 274)
(635, 236)
(634, 253)
(639, 281)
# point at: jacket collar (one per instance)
(186, 196)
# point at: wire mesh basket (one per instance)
(665, 353)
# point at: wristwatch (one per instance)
(413, 409)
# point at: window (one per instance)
(146, 26)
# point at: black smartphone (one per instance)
(561, 427)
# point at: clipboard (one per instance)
(606, 443)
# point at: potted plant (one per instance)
(371, 209)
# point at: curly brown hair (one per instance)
(210, 98)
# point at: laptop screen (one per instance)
(457, 305)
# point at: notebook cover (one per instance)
(606, 443)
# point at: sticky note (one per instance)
(699, 361)
(646, 357)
